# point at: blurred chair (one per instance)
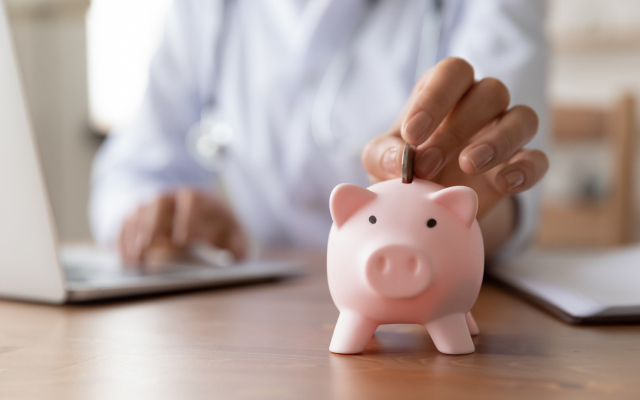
(594, 222)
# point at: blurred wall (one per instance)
(50, 42)
(595, 59)
(596, 50)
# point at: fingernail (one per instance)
(480, 156)
(389, 161)
(514, 178)
(427, 163)
(416, 127)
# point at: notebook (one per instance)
(578, 286)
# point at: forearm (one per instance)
(497, 225)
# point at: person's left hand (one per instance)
(464, 134)
(163, 228)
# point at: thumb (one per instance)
(382, 157)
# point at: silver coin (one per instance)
(408, 155)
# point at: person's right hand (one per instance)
(174, 219)
(465, 134)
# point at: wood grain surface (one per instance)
(270, 341)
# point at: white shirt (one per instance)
(261, 69)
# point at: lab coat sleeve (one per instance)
(505, 39)
(149, 156)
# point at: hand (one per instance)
(464, 134)
(171, 221)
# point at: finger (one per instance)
(483, 103)
(185, 214)
(437, 93)
(157, 221)
(122, 240)
(382, 157)
(238, 244)
(501, 141)
(130, 239)
(222, 228)
(525, 169)
(200, 216)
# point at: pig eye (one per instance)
(373, 219)
(431, 223)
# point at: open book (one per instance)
(578, 286)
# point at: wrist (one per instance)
(498, 224)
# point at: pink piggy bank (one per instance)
(404, 254)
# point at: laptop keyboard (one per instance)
(87, 264)
(97, 274)
(81, 274)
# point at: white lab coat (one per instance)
(263, 82)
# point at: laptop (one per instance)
(32, 267)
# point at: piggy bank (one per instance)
(404, 254)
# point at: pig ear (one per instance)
(463, 201)
(346, 199)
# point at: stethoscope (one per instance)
(208, 140)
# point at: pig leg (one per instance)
(471, 323)
(451, 334)
(352, 333)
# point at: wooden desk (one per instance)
(270, 341)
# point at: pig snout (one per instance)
(398, 271)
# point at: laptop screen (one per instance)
(29, 267)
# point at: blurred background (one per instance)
(85, 69)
